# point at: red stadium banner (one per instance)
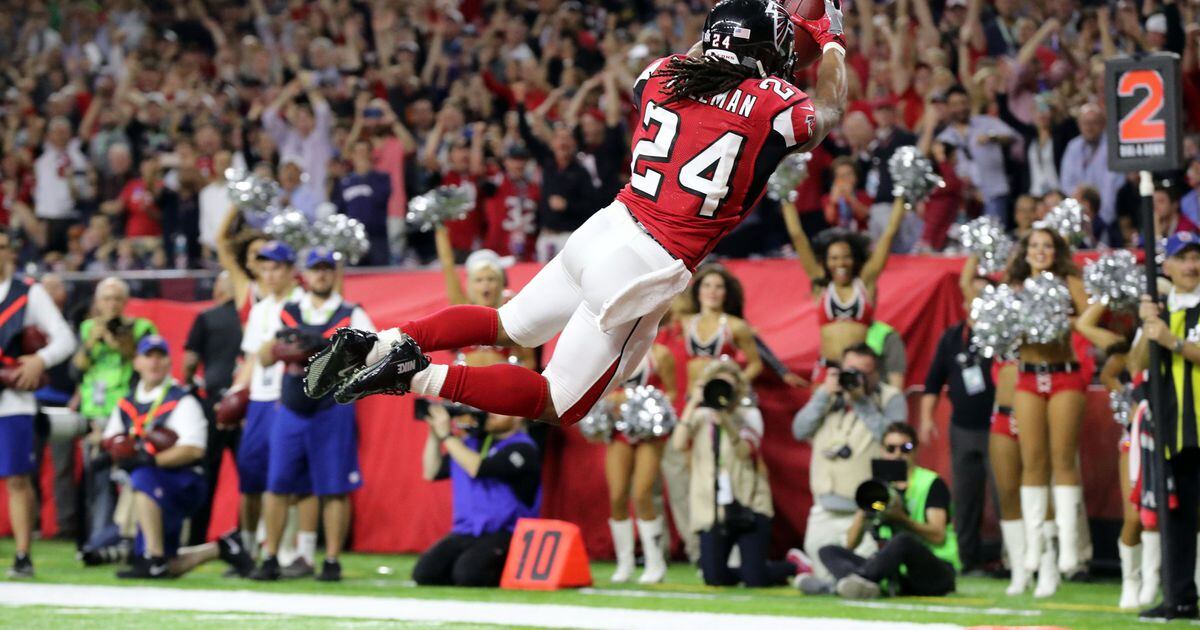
(918, 295)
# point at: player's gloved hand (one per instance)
(828, 30)
(140, 458)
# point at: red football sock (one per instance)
(505, 389)
(455, 327)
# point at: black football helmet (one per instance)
(752, 33)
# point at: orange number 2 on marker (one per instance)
(1141, 123)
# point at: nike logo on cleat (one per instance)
(157, 570)
(407, 366)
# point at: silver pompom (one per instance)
(343, 235)
(997, 316)
(291, 227)
(787, 176)
(986, 237)
(444, 203)
(1122, 405)
(252, 195)
(1045, 306)
(1115, 279)
(1069, 220)
(597, 425)
(913, 175)
(646, 414)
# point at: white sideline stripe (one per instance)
(537, 615)
(941, 608)
(643, 594)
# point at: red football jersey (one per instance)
(511, 214)
(699, 165)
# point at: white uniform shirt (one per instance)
(40, 312)
(52, 172)
(214, 207)
(186, 419)
(261, 327)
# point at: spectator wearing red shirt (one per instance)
(137, 201)
(846, 205)
(944, 203)
(510, 204)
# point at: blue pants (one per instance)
(16, 446)
(254, 450)
(997, 207)
(316, 454)
(179, 492)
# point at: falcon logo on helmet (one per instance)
(752, 33)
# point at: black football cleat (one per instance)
(146, 569)
(299, 568)
(331, 571)
(1167, 612)
(268, 571)
(346, 352)
(390, 375)
(22, 567)
(235, 554)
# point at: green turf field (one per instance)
(977, 602)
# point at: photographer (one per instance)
(730, 493)
(845, 419)
(495, 474)
(918, 547)
(108, 341)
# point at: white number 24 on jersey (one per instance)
(705, 175)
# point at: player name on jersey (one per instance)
(733, 101)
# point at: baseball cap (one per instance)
(517, 151)
(277, 251)
(320, 256)
(150, 343)
(1180, 241)
(956, 3)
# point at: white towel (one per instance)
(645, 294)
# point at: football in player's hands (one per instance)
(119, 447)
(10, 374)
(231, 409)
(161, 438)
(32, 339)
(817, 23)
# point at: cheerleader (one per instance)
(486, 286)
(716, 328)
(1004, 457)
(1049, 405)
(631, 469)
(1139, 548)
(237, 253)
(843, 280)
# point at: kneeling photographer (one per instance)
(730, 495)
(495, 472)
(907, 509)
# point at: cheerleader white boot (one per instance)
(622, 534)
(1047, 578)
(1151, 564)
(1068, 506)
(651, 533)
(1131, 575)
(1034, 500)
(1013, 533)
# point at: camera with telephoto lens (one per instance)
(421, 410)
(849, 379)
(876, 494)
(719, 394)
